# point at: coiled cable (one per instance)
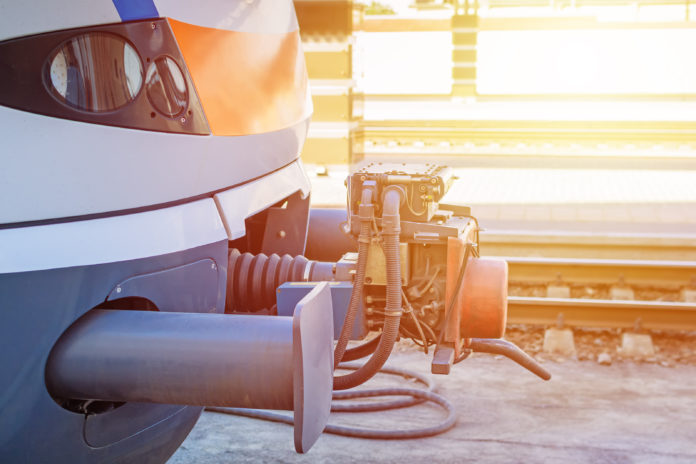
(416, 396)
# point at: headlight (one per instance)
(96, 72)
(166, 87)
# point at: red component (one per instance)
(483, 298)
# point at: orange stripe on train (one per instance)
(248, 83)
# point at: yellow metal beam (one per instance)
(518, 24)
(327, 146)
(329, 64)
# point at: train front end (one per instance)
(139, 140)
(158, 253)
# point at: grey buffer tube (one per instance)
(264, 362)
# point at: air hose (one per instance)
(391, 228)
(365, 213)
(363, 350)
(416, 396)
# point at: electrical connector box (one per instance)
(424, 185)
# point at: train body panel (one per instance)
(122, 196)
(260, 16)
(168, 259)
(113, 169)
(45, 303)
(52, 274)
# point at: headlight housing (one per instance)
(95, 72)
(125, 74)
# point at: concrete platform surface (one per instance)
(624, 413)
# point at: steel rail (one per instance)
(578, 245)
(602, 271)
(653, 315)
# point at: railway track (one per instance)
(605, 313)
(602, 271)
(652, 315)
(567, 245)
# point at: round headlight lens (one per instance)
(96, 72)
(166, 87)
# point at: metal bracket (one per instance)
(443, 358)
(286, 227)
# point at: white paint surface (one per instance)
(112, 239)
(239, 203)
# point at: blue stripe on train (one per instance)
(129, 10)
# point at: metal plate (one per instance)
(312, 352)
(290, 293)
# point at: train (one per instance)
(158, 251)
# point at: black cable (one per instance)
(406, 333)
(431, 332)
(381, 405)
(417, 396)
(415, 320)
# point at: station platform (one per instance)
(599, 165)
(660, 202)
(521, 108)
(488, 131)
(586, 413)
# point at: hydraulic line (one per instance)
(363, 350)
(366, 213)
(416, 396)
(391, 228)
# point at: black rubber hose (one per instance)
(510, 350)
(366, 215)
(416, 396)
(363, 350)
(391, 228)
